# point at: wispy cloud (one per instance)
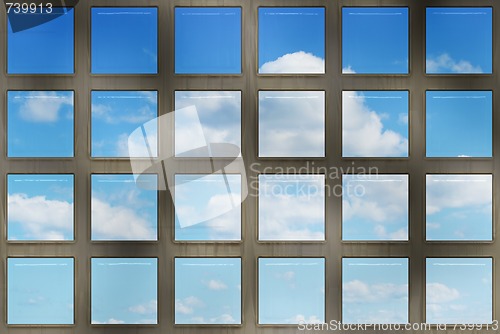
(444, 63)
(43, 107)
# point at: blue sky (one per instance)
(381, 33)
(291, 124)
(122, 209)
(40, 123)
(459, 124)
(124, 290)
(459, 207)
(459, 290)
(208, 291)
(375, 123)
(115, 115)
(124, 40)
(291, 290)
(375, 207)
(208, 40)
(46, 48)
(291, 40)
(291, 207)
(207, 208)
(40, 207)
(375, 290)
(40, 291)
(207, 117)
(459, 40)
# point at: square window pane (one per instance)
(458, 291)
(42, 42)
(459, 124)
(124, 291)
(207, 123)
(381, 33)
(207, 40)
(291, 290)
(375, 207)
(292, 40)
(292, 207)
(375, 124)
(40, 207)
(207, 207)
(291, 124)
(40, 124)
(124, 40)
(375, 290)
(40, 291)
(116, 115)
(459, 207)
(459, 40)
(122, 208)
(207, 291)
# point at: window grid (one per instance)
(417, 166)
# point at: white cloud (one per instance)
(401, 234)
(216, 285)
(383, 201)
(438, 293)
(348, 70)
(137, 146)
(119, 222)
(301, 319)
(43, 107)
(444, 63)
(357, 291)
(297, 62)
(187, 305)
(221, 214)
(363, 131)
(223, 319)
(39, 217)
(150, 307)
(292, 124)
(458, 191)
(286, 216)
(110, 321)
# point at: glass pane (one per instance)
(124, 291)
(40, 207)
(207, 40)
(375, 290)
(375, 207)
(459, 124)
(291, 124)
(291, 290)
(207, 207)
(459, 207)
(207, 291)
(115, 115)
(204, 120)
(291, 207)
(459, 40)
(123, 209)
(458, 291)
(40, 291)
(381, 33)
(42, 42)
(375, 124)
(292, 40)
(124, 40)
(40, 124)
